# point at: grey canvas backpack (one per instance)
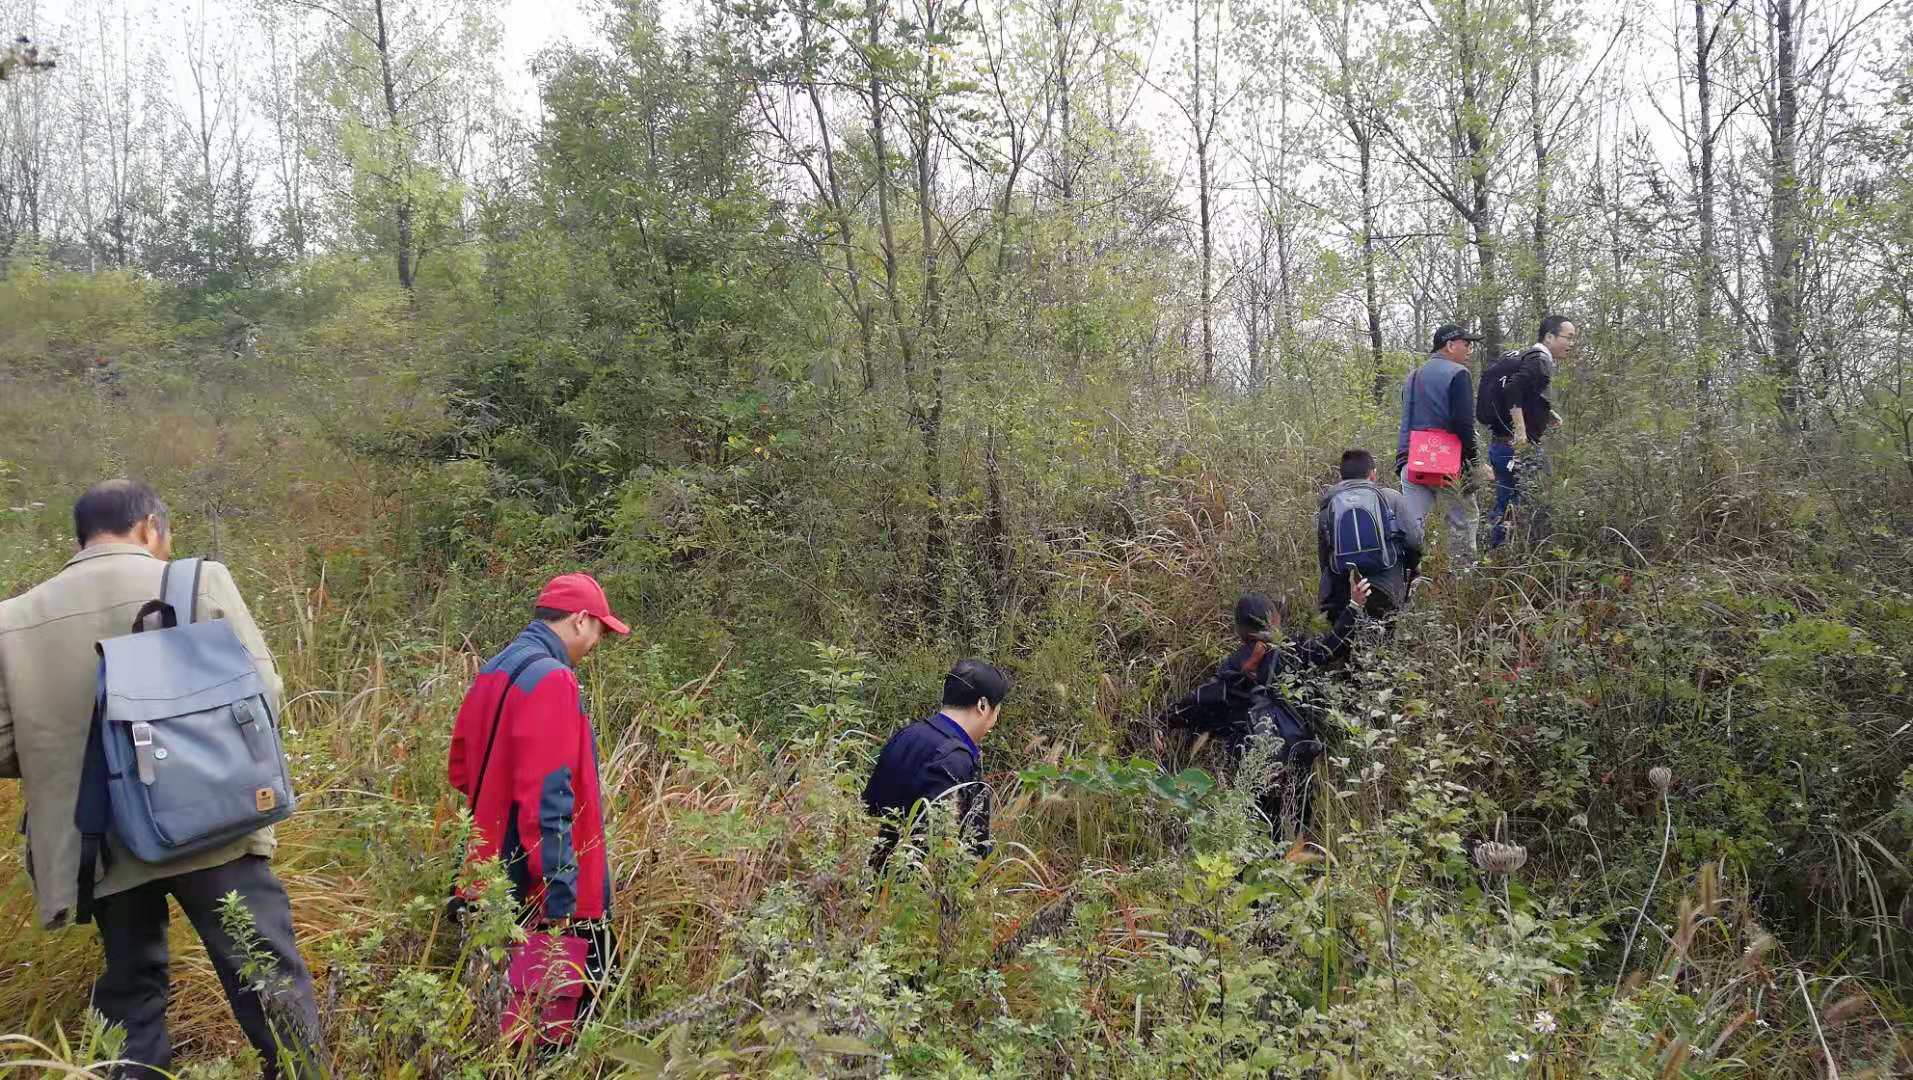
(184, 752)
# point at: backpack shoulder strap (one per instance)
(92, 811)
(179, 588)
(484, 764)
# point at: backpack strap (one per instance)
(484, 764)
(178, 594)
(180, 590)
(94, 810)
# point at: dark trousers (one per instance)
(1517, 478)
(275, 1006)
(1501, 457)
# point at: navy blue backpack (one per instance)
(1361, 531)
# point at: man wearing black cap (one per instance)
(1440, 395)
(938, 757)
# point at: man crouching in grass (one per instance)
(938, 757)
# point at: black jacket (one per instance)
(1524, 388)
(921, 763)
(1220, 706)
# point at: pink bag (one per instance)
(1434, 458)
(547, 975)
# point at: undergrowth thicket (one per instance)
(1712, 603)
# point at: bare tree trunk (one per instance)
(1709, 268)
(1480, 213)
(1371, 303)
(1074, 285)
(936, 543)
(1204, 209)
(402, 195)
(840, 215)
(1786, 238)
(1255, 310)
(886, 229)
(1488, 288)
(288, 133)
(1538, 280)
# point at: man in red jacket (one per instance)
(524, 757)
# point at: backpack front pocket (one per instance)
(209, 774)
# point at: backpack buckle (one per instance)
(143, 751)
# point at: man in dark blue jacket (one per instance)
(938, 757)
(1440, 394)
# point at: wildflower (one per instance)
(1517, 1057)
(1544, 1022)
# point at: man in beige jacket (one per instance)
(47, 681)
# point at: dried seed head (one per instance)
(1578, 821)
(1500, 859)
(1661, 777)
(1842, 1011)
(1755, 956)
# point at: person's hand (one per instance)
(1358, 589)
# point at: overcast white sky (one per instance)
(529, 25)
(533, 25)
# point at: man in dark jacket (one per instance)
(938, 757)
(1519, 414)
(1440, 395)
(1222, 706)
(524, 756)
(1390, 587)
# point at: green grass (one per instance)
(1117, 931)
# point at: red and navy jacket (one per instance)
(539, 806)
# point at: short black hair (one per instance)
(973, 680)
(1550, 326)
(1357, 464)
(1258, 616)
(111, 507)
(550, 614)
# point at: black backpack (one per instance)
(1491, 397)
(1273, 717)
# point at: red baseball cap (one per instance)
(580, 592)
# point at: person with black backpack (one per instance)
(1513, 404)
(1366, 528)
(1245, 701)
